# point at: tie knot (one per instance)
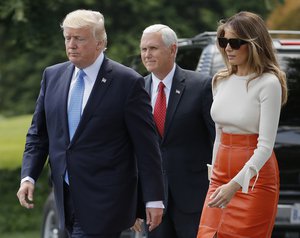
(80, 74)
(161, 86)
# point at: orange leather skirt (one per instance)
(247, 215)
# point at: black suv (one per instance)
(201, 54)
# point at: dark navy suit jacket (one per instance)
(187, 143)
(116, 138)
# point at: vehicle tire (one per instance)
(50, 220)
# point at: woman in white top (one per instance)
(248, 95)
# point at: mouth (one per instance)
(73, 54)
(230, 57)
(150, 62)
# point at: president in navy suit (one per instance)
(94, 171)
(186, 136)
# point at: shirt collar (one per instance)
(167, 80)
(92, 70)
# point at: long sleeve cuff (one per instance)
(28, 179)
(250, 171)
(245, 175)
(155, 204)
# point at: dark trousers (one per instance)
(176, 224)
(73, 226)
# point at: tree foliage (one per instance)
(289, 13)
(31, 38)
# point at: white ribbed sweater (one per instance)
(237, 110)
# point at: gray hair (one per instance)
(169, 36)
(86, 18)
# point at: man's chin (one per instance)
(76, 62)
(150, 69)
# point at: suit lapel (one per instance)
(101, 85)
(148, 84)
(177, 89)
(66, 81)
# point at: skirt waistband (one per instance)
(239, 140)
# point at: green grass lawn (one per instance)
(29, 234)
(16, 221)
(12, 139)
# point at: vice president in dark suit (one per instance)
(93, 120)
(181, 101)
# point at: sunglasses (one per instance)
(234, 43)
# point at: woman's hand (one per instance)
(223, 194)
(137, 227)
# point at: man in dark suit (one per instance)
(186, 136)
(94, 157)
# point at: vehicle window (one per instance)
(287, 146)
(290, 112)
(188, 58)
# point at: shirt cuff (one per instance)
(155, 204)
(28, 179)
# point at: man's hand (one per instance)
(25, 194)
(154, 217)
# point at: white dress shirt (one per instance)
(89, 79)
(167, 81)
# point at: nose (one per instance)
(228, 47)
(72, 43)
(147, 53)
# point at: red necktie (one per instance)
(160, 109)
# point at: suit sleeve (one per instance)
(141, 127)
(36, 146)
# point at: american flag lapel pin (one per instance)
(103, 80)
(177, 91)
